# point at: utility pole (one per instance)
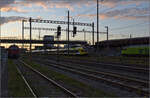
(93, 32)
(107, 31)
(97, 21)
(22, 32)
(130, 36)
(97, 30)
(66, 34)
(39, 34)
(68, 31)
(30, 20)
(58, 49)
(73, 27)
(84, 35)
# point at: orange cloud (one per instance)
(5, 5)
(42, 4)
(15, 9)
(101, 16)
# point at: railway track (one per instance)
(138, 86)
(115, 63)
(90, 71)
(144, 71)
(103, 68)
(110, 72)
(31, 90)
(54, 84)
(117, 66)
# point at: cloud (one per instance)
(113, 3)
(4, 20)
(6, 3)
(12, 5)
(128, 13)
(46, 4)
(14, 9)
(146, 17)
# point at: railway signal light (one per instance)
(74, 31)
(58, 31)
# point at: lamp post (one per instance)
(107, 31)
(0, 27)
(58, 36)
(68, 32)
(97, 30)
(30, 20)
(97, 21)
(22, 32)
(84, 35)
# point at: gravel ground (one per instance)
(42, 87)
(96, 84)
(103, 69)
(100, 67)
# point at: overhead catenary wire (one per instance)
(128, 26)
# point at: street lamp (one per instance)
(97, 21)
(107, 31)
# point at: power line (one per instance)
(129, 26)
(54, 29)
(91, 9)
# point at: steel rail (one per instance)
(118, 65)
(146, 93)
(123, 66)
(103, 73)
(114, 65)
(50, 80)
(31, 90)
(83, 64)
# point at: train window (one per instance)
(140, 50)
(124, 48)
(147, 51)
(74, 51)
(75, 46)
(82, 50)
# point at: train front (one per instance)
(13, 52)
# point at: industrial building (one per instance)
(114, 47)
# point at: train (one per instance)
(13, 52)
(136, 50)
(48, 38)
(75, 49)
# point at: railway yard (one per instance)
(75, 49)
(77, 70)
(75, 76)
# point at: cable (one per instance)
(129, 26)
(91, 9)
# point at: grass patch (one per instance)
(75, 85)
(141, 61)
(16, 85)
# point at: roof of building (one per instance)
(124, 42)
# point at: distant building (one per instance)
(114, 47)
(124, 42)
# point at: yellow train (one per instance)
(74, 50)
